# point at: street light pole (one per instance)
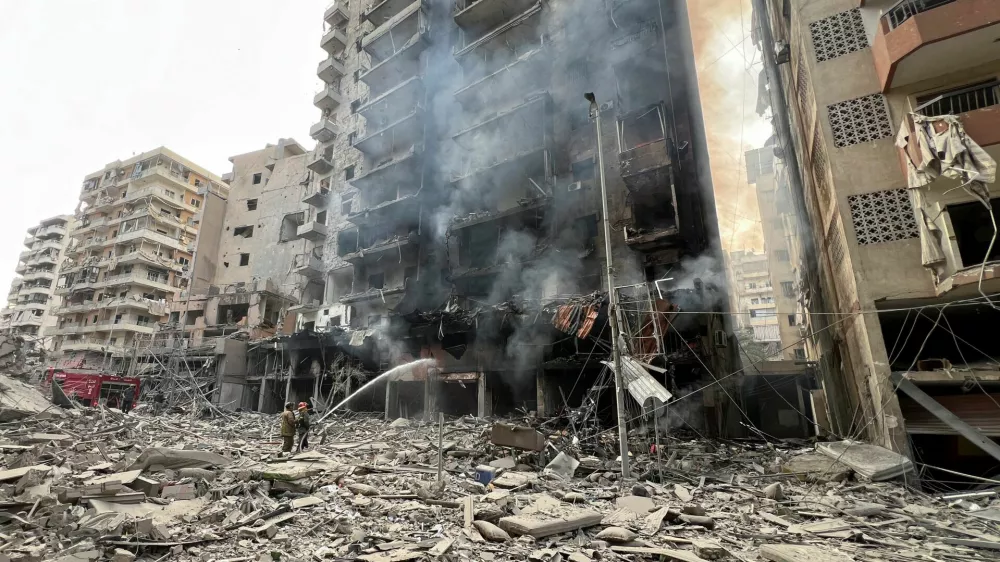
(595, 110)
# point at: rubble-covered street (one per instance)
(95, 484)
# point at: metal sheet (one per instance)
(643, 388)
(976, 410)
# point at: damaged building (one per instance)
(457, 171)
(890, 150)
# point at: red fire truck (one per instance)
(89, 387)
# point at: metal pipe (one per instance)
(595, 111)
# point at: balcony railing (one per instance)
(967, 99)
(906, 9)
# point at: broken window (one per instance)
(244, 259)
(321, 217)
(788, 288)
(345, 206)
(290, 226)
(974, 231)
(639, 129)
(347, 242)
(244, 231)
(782, 255)
(800, 353)
(478, 246)
(409, 273)
(257, 178)
(376, 281)
(251, 204)
(583, 170)
(349, 172)
(652, 211)
(791, 319)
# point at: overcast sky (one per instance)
(86, 82)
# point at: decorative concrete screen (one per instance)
(859, 120)
(838, 35)
(883, 216)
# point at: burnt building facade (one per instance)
(457, 170)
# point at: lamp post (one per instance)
(595, 111)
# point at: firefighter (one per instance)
(303, 426)
(128, 399)
(288, 428)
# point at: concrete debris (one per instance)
(19, 400)
(217, 490)
(871, 461)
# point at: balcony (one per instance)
(98, 346)
(921, 39)
(977, 106)
(398, 135)
(383, 41)
(324, 131)
(487, 14)
(371, 295)
(312, 230)
(320, 163)
(317, 196)
(508, 30)
(126, 325)
(330, 70)
(394, 104)
(510, 80)
(27, 320)
(507, 212)
(335, 15)
(50, 275)
(51, 231)
(152, 236)
(20, 268)
(308, 266)
(143, 278)
(334, 41)
(403, 64)
(406, 168)
(29, 241)
(328, 99)
(387, 212)
(401, 246)
(23, 256)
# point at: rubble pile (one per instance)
(94, 484)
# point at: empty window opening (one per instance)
(244, 259)
(349, 172)
(232, 313)
(583, 170)
(376, 281)
(651, 211)
(974, 231)
(251, 204)
(290, 226)
(478, 245)
(643, 127)
(244, 231)
(788, 288)
(347, 242)
(782, 255)
(791, 320)
(345, 206)
(321, 217)
(256, 178)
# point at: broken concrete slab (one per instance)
(179, 492)
(518, 437)
(19, 400)
(177, 458)
(666, 553)
(17, 473)
(307, 501)
(814, 467)
(124, 477)
(512, 479)
(871, 461)
(801, 553)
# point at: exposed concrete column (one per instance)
(485, 397)
(432, 385)
(391, 405)
(261, 396)
(541, 409)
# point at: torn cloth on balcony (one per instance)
(935, 147)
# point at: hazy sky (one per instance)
(86, 82)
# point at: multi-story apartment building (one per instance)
(778, 223)
(32, 299)
(457, 160)
(900, 235)
(752, 300)
(135, 247)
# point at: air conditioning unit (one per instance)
(608, 105)
(575, 186)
